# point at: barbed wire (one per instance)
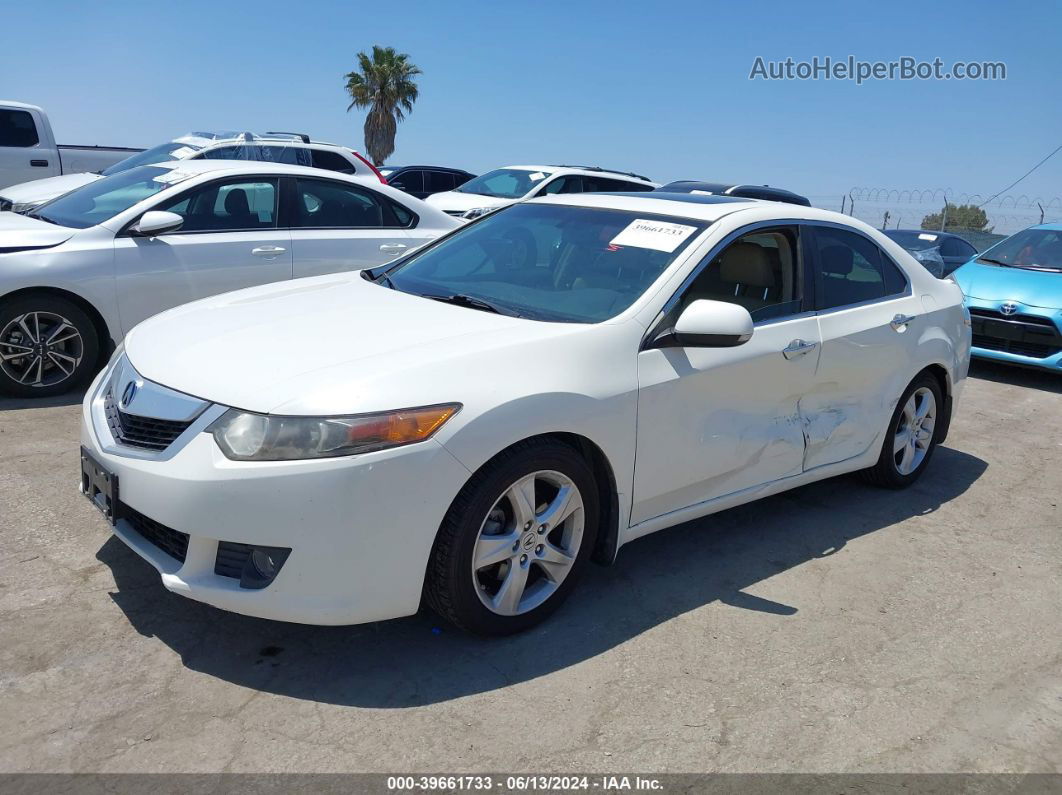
(908, 207)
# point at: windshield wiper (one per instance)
(40, 217)
(994, 262)
(470, 301)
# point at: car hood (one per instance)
(334, 344)
(455, 201)
(19, 233)
(41, 190)
(996, 283)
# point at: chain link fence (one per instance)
(929, 209)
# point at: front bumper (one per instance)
(1028, 335)
(360, 528)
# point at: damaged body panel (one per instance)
(712, 421)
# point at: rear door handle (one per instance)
(393, 248)
(39, 163)
(268, 252)
(798, 348)
(899, 323)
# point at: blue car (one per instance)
(1014, 294)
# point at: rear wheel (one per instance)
(515, 540)
(912, 437)
(48, 346)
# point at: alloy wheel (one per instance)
(914, 431)
(40, 349)
(528, 543)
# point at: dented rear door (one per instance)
(867, 353)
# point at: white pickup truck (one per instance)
(28, 149)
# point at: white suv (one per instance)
(511, 184)
(292, 148)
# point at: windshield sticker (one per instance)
(183, 152)
(538, 175)
(927, 237)
(657, 235)
(172, 177)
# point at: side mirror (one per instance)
(709, 324)
(157, 222)
(398, 184)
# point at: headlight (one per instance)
(244, 436)
(477, 212)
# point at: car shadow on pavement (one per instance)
(1027, 377)
(418, 660)
(66, 399)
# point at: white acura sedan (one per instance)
(472, 425)
(83, 269)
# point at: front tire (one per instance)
(48, 346)
(515, 540)
(914, 432)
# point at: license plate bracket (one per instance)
(100, 485)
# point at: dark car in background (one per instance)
(932, 248)
(423, 181)
(765, 192)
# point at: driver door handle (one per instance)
(798, 348)
(899, 323)
(269, 252)
(393, 248)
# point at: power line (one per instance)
(1023, 176)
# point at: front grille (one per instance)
(173, 542)
(231, 558)
(144, 432)
(1032, 320)
(1033, 350)
(1034, 336)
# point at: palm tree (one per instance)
(383, 84)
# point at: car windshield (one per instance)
(916, 241)
(504, 183)
(94, 203)
(549, 262)
(171, 150)
(1035, 249)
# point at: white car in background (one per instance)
(292, 148)
(471, 427)
(84, 269)
(504, 186)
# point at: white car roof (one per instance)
(10, 103)
(202, 166)
(587, 170)
(697, 207)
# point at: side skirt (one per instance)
(752, 494)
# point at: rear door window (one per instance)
(852, 269)
(321, 204)
(438, 181)
(411, 181)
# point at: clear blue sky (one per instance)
(659, 88)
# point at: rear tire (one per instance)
(515, 540)
(48, 346)
(913, 434)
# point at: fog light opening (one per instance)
(262, 566)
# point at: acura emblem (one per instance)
(128, 394)
(1009, 308)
